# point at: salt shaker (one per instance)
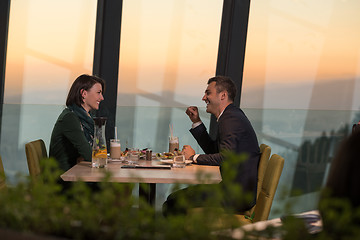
(148, 154)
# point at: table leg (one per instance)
(148, 192)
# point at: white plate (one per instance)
(167, 161)
(116, 160)
(170, 161)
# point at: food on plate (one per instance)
(124, 153)
(142, 152)
(165, 155)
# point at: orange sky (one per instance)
(176, 50)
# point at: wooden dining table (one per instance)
(148, 174)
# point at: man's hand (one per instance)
(188, 151)
(193, 114)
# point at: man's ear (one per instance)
(223, 95)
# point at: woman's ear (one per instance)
(83, 93)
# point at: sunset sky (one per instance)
(168, 50)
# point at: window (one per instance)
(168, 51)
(301, 85)
(50, 43)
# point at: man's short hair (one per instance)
(224, 84)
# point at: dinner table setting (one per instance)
(142, 166)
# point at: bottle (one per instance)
(99, 150)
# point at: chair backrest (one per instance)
(2, 175)
(268, 189)
(35, 151)
(265, 151)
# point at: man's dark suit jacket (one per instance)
(235, 133)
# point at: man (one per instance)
(235, 133)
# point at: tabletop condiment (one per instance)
(148, 154)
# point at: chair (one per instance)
(265, 152)
(35, 151)
(267, 193)
(2, 175)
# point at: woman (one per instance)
(73, 133)
(340, 201)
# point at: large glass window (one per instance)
(301, 86)
(50, 43)
(168, 51)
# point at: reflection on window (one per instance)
(50, 43)
(168, 51)
(301, 84)
(48, 49)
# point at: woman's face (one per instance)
(92, 97)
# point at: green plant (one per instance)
(84, 211)
(106, 211)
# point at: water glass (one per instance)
(133, 156)
(179, 161)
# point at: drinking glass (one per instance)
(115, 149)
(179, 161)
(173, 144)
(99, 150)
(133, 156)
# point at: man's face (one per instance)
(212, 99)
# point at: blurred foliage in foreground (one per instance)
(43, 207)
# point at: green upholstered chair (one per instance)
(263, 205)
(267, 192)
(35, 151)
(265, 152)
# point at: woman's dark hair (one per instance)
(344, 177)
(82, 82)
(339, 202)
(224, 84)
